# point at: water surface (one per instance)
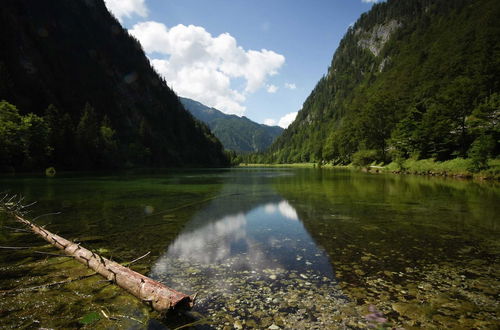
(289, 248)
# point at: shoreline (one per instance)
(421, 168)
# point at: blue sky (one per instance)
(257, 58)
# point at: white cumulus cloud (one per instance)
(272, 89)
(127, 8)
(290, 86)
(203, 67)
(370, 1)
(270, 122)
(287, 119)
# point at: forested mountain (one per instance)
(238, 134)
(80, 93)
(411, 78)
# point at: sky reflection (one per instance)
(261, 240)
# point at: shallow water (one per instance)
(288, 248)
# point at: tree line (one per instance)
(32, 142)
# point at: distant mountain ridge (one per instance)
(235, 133)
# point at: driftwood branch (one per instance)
(159, 296)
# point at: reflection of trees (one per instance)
(353, 194)
(399, 219)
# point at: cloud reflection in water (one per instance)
(251, 259)
(257, 241)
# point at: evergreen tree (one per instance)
(485, 126)
(108, 152)
(35, 141)
(88, 138)
(61, 137)
(11, 149)
(24, 140)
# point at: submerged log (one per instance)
(159, 296)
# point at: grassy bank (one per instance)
(457, 167)
(296, 165)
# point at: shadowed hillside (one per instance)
(108, 107)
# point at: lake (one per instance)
(261, 247)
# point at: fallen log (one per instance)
(159, 296)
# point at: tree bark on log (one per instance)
(161, 297)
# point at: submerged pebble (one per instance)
(261, 299)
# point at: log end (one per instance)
(182, 302)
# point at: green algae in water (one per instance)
(90, 318)
(281, 248)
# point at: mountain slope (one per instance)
(75, 56)
(411, 78)
(236, 133)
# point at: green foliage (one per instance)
(61, 137)
(365, 157)
(88, 137)
(456, 166)
(429, 92)
(480, 152)
(485, 118)
(10, 136)
(23, 139)
(109, 144)
(484, 124)
(35, 140)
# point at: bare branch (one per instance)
(130, 263)
(10, 199)
(28, 205)
(45, 215)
